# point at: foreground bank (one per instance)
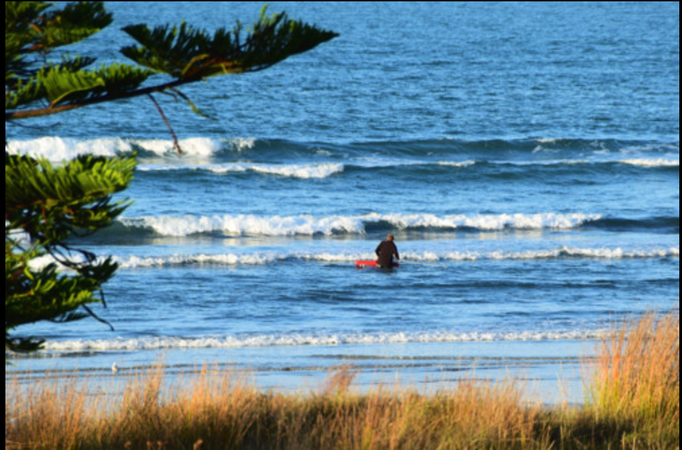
(632, 400)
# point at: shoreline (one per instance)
(425, 367)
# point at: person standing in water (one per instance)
(385, 252)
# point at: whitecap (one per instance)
(304, 171)
(58, 149)
(303, 339)
(652, 162)
(263, 258)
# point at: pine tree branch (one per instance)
(50, 110)
(94, 101)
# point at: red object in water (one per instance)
(359, 264)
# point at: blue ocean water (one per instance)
(525, 155)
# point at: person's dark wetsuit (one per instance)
(385, 252)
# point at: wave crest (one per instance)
(295, 340)
(59, 149)
(234, 259)
(307, 225)
(284, 170)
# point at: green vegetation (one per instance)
(48, 205)
(44, 205)
(634, 403)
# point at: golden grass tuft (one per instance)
(635, 378)
(633, 402)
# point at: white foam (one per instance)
(41, 262)
(547, 163)
(641, 162)
(556, 253)
(247, 225)
(301, 171)
(308, 225)
(230, 259)
(485, 222)
(295, 340)
(239, 144)
(235, 259)
(203, 147)
(591, 253)
(652, 162)
(58, 149)
(459, 164)
(284, 170)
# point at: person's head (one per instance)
(390, 237)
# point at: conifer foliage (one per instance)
(45, 278)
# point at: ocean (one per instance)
(524, 155)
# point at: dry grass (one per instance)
(633, 402)
(636, 379)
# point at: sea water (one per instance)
(524, 155)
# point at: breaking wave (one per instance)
(283, 170)
(295, 340)
(58, 149)
(450, 151)
(307, 225)
(234, 259)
